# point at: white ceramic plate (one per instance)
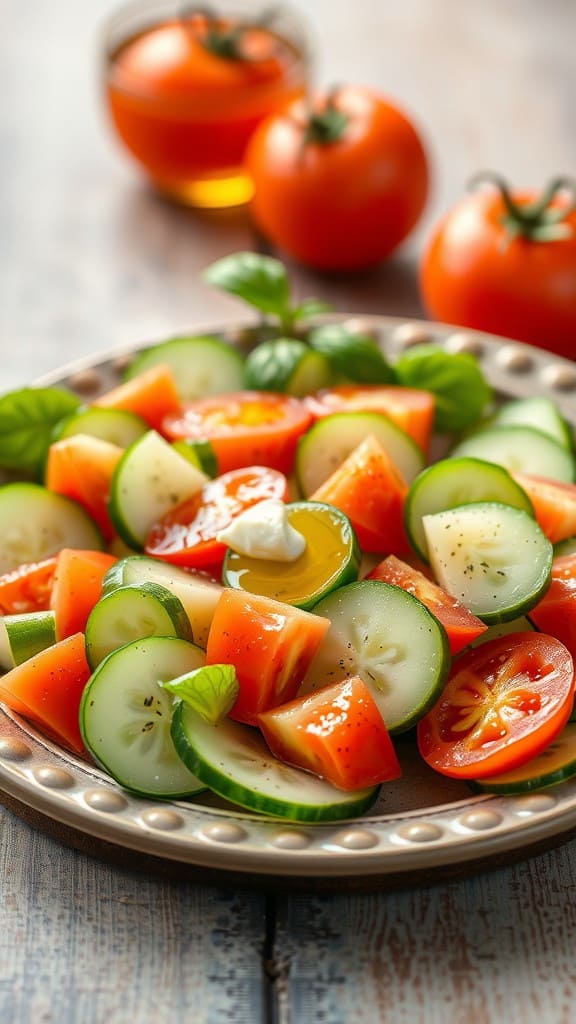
(421, 825)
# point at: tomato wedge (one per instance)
(554, 504)
(27, 588)
(411, 409)
(187, 534)
(152, 395)
(556, 612)
(462, 627)
(81, 467)
(76, 587)
(337, 733)
(245, 428)
(504, 702)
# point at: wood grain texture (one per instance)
(89, 258)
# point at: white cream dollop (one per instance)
(264, 531)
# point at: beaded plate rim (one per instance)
(43, 777)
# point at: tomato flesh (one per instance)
(409, 408)
(556, 612)
(270, 644)
(187, 534)
(247, 428)
(337, 733)
(27, 588)
(504, 702)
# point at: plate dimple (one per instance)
(13, 749)
(420, 832)
(356, 839)
(224, 832)
(53, 778)
(164, 820)
(481, 819)
(105, 800)
(533, 803)
(290, 839)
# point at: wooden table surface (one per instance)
(89, 259)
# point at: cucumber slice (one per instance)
(200, 453)
(457, 481)
(494, 558)
(117, 426)
(331, 440)
(202, 365)
(388, 637)
(520, 450)
(24, 635)
(234, 761)
(125, 716)
(199, 594)
(36, 523)
(330, 559)
(150, 479)
(130, 613)
(540, 413)
(555, 764)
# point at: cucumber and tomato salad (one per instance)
(369, 655)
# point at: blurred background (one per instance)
(92, 258)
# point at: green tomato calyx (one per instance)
(543, 220)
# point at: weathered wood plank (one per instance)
(496, 948)
(84, 941)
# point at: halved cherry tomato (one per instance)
(270, 644)
(245, 428)
(337, 733)
(370, 489)
(504, 702)
(556, 612)
(187, 534)
(554, 504)
(409, 408)
(461, 626)
(152, 395)
(47, 689)
(27, 588)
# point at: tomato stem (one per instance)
(541, 220)
(327, 124)
(215, 34)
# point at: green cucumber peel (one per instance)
(28, 418)
(352, 354)
(263, 283)
(460, 389)
(211, 690)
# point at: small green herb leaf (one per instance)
(27, 421)
(261, 281)
(456, 380)
(211, 690)
(354, 355)
(310, 307)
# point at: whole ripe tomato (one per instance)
(506, 263)
(340, 186)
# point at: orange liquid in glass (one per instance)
(186, 114)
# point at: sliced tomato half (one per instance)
(411, 409)
(187, 534)
(504, 702)
(245, 428)
(462, 627)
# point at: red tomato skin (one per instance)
(473, 275)
(556, 612)
(187, 534)
(554, 504)
(345, 204)
(517, 692)
(47, 690)
(27, 588)
(462, 627)
(230, 422)
(270, 644)
(337, 733)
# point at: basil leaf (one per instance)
(310, 307)
(352, 354)
(261, 281)
(460, 389)
(27, 421)
(211, 690)
(271, 364)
